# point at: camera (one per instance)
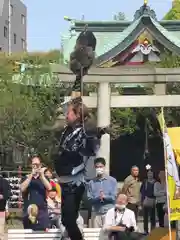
(128, 229)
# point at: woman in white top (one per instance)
(161, 197)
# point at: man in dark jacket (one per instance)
(79, 141)
(76, 145)
(4, 196)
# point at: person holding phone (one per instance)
(34, 188)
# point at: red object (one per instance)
(53, 184)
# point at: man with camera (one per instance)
(34, 188)
(120, 222)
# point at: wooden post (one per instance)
(160, 89)
(177, 230)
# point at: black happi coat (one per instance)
(74, 143)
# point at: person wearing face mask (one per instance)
(101, 192)
(148, 201)
(120, 222)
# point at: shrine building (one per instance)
(134, 43)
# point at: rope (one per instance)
(79, 76)
(82, 106)
(88, 46)
(81, 92)
(146, 149)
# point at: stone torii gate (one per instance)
(148, 76)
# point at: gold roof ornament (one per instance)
(145, 2)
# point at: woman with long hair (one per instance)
(161, 197)
(148, 201)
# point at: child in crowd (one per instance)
(54, 205)
(49, 174)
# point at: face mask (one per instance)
(120, 207)
(99, 171)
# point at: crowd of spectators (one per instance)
(114, 210)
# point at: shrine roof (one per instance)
(130, 34)
(118, 26)
(113, 37)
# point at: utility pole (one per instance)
(9, 27)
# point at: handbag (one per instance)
(149, 202)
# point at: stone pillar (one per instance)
(160, 89)
(103, 120)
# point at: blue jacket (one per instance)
(108, 185)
